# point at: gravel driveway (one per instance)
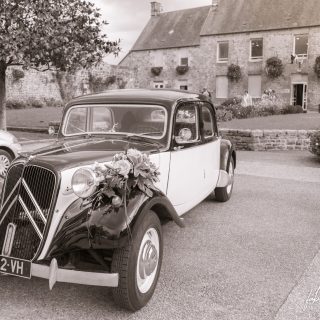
(237, 260)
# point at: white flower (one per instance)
(134, 155)
(123, 167)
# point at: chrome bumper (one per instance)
(53, 273)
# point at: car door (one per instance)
(186, 175)
(210, 147)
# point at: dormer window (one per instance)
(301, 46)
(256, 49)
(223, 51)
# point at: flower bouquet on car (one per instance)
(118, 180)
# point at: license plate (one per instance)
(15, 267)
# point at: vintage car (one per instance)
(9, 150)
(57, 221)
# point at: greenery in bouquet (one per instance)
(128, 173)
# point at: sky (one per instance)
(127, 18)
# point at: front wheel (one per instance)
(224, 194)
(139, 263)
(5, 160)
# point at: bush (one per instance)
(35, 103)
(51, 102)
(289, 109)
(16, 104)
(223, 115)
(315, 143)
(29, 103)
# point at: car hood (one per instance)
(65, 154)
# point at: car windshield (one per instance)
(145, 120)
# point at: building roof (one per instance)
(237, 16)
(173, 29)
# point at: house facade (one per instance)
(194, 48)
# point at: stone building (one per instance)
(205, 41)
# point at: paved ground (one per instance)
(301, 121)
(252, 258)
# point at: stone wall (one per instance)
(264, 140)
(169, 59)
(61, 86)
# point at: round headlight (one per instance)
(84, 182)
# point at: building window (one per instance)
(256, 49)
(158, 58)
(254, 86)
(222, 87)
(301, 45)
(184, 87)
(184, 61)
(158, 84)
(223, 51)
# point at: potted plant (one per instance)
(156, 70)
(234, 72)
(274, 67)
(182, 69)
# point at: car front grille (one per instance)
(27, 203)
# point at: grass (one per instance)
(27, 136)
(302, 121)
(33, 117)
(41, 118)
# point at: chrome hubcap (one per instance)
(4, 164)
(231, 174)
(148, 258)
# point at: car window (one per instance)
(77, 121)
(186, 124)
(207, 120)
(102, 119)
(147, 120)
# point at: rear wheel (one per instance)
(224, 194)
(139, 263)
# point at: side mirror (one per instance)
(184, 136)
(53, 128)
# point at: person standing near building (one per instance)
(246, 99)
(205, 92)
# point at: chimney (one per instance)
(156, 8)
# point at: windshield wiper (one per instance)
(139, 137)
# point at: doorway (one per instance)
(299, 95)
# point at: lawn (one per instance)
(33, 117)
(302, 121)
(42, 117)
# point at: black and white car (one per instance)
(49, 228)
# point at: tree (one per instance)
(60, 35)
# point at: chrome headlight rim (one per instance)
(84, 182)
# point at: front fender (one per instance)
(82, 228)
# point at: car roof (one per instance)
(144, 96)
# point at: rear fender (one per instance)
(226, 152)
